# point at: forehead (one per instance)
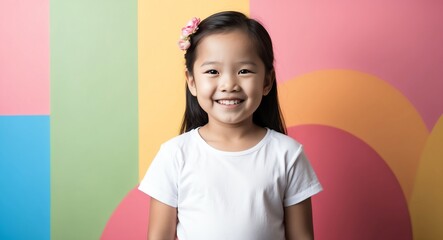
(234, 45)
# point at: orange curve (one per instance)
(364, 106)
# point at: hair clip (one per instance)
(191, 27)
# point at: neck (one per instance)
(230, 130)
(232, 137)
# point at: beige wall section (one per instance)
(161, 67)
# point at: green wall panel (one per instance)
(94, 122)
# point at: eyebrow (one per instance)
(248, 63)
(215, 62)
(209, 63)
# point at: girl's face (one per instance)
(229, 78)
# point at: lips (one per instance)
(229, 102)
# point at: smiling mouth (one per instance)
(229, 102)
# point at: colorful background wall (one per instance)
(90, 89)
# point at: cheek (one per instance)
(204, 88)
(255, 88)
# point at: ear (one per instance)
(269, 81)
(190, 81)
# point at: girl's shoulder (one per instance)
(180, 141)
(283, 140)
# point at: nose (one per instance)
(229, 83)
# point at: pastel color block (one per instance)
(365, 106)
(94, 119)
(24, 177)
(130, 218)
(398, 41)
(362, 199)
(426, 203)
(24, 57)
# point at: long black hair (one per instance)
(268, 113)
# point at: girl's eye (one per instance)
(244, 71)
(212, 71)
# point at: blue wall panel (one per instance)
(24, 177)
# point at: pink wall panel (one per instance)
(398, 41)
(24, 57)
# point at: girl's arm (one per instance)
(298, 221)
(162, 221)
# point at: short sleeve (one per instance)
(302, 181)
(160, 181)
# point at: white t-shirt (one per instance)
(230, 195)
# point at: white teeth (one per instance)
(228, 102)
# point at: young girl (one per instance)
(232, 173)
